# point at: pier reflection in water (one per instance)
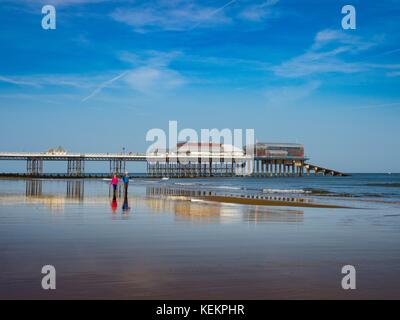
(55, 200)
(173, 191)
(184, 204)
(33, 188)
(75, 189)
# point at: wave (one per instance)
(227, 187)
(320, 192)
(326, 193)
(186, 184)
(209, 186)
(295, 191)
(310, 191)
(147, 181)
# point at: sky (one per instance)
(113, 70)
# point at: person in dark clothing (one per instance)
(125, 179)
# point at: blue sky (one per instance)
(112, 70)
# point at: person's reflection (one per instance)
(114, 203)
(125, 205)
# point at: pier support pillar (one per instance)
(117, 166)
(34, 166)
(76, 167)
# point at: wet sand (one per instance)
(166, 247)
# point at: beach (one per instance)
(238, 238)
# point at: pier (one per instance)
(170, 165)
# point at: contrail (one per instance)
(213, 13)
(18, 82)
(390, 52)
(103, 85)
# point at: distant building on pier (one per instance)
(204, 149)
(277, 150)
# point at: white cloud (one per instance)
(180, 15)
(326, 56)
(394, 74)
(151, 73)
(258, 12)
(282, 95)
(340, 37)
(316, 63)
(154, 79)
(171, 16)
(153, 57)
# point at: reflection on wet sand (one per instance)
(260, 214)
(244, 199)
(34, 193)
(66, 192)
(125, 204)
(169, 191)
(75, 189)
(56, 202)
(114, 205)
(33, 188)
(181, 203)
(114, 202)
(184, 204)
